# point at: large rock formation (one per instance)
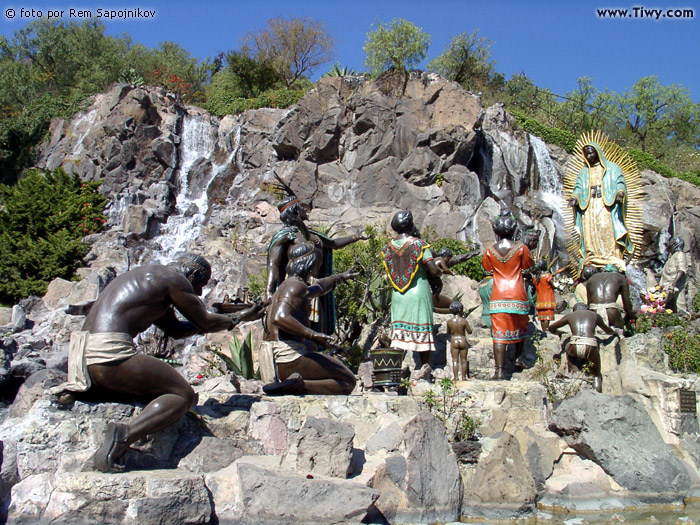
(357, 149)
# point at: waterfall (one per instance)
(183, 227)
(81, 127)
(550, 183)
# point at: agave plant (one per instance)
(340, 71)
(240, 360)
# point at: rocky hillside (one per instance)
(180, 179)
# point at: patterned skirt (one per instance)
(545, 310)
(509, 321)
(412, 317)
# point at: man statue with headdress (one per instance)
(599, 200)
(103, 354)
(293, 214)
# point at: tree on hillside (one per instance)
(46, 70)
(43, 220)
(67, 59)
(252, 76)
(653, 113)
(467, 60)
(399, 45)
(293, 47)
(585, 109)
(171, 66)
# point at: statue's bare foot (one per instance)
(114, 446)
(64, 398)
(498, 375)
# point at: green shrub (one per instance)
(646, 321)
(471, 268)
(43, 221)
(367, 297)
(550, 135)
(229, 103)
(646, 160)
(683, 349)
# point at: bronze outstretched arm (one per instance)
(464, 257)
(191, 306)
(175, 328)
(325, 285)
(342, 242)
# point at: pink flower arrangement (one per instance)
(655, 302)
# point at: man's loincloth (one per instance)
(273, 352)
(93, 349)
(602, 308)
(579, 346)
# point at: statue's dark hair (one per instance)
(302, 258)
(588, 272)
(402, 222)
(505, 225)
(290, 212)
(541, 265)
(195, 268)
(445, 252)
(456, 307)
(580, 306)
(676, 243)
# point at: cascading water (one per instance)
(82, 127)
(183, 227)
(550, 182)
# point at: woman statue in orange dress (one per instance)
(546, 301)
(506, 261)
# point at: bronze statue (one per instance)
(293, 214)
(602, 187)
(602, 289)
(457, 329)
(546, 300)
(444, 261)
(408, 261)
(509, 305)
(104, 355)
(289, 338)
(674, 277)
(582, 347)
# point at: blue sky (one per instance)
(553, 42)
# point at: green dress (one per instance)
(412, 299)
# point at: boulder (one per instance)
(257, 492)
(409, 491)
(502, 484)
(324, 447)
(618, 434)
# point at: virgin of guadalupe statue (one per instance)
(601, 188)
